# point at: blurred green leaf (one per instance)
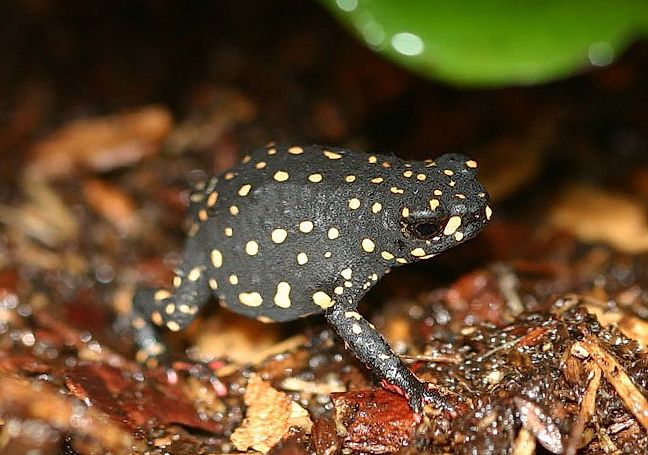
(497, 42)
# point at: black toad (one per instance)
(293, 231)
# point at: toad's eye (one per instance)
(423, 229)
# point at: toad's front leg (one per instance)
(372, 349)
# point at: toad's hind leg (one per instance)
(173, 309)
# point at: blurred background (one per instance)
(536, 93)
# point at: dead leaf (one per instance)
(100, 144)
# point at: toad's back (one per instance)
(276, 229)
(283, 232)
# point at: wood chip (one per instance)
(269, 416)
(631, 326)
(586, 412)
(617, 376)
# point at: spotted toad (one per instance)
(294, 231)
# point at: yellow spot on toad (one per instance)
(282, 297)
(322, 300)
(161, 295)
(194, 274)
(250, 298)
(386, 255)
(279, 235)
(173, 326)
(252, 248)
(418, 252)
(217, 258)
(306, 226)
(302, 258)
(280, 176)
(156, 317)
(332, 155)
(453, 224)
(368, 245)
(244, 190)
(212, 199)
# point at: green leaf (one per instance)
(496, 42)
